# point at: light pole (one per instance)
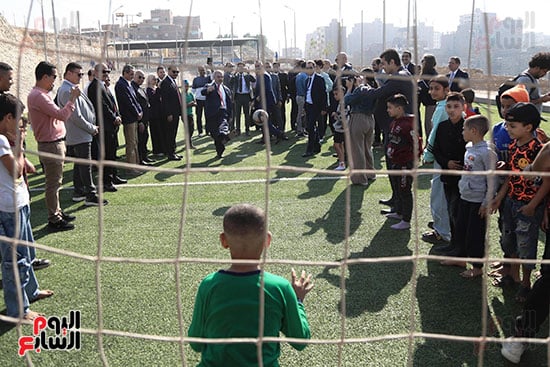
(232, 19)
(113, 14)
(294, 14)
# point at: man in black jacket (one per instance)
(171, 109)
(109, 121)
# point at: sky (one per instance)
(217, 15)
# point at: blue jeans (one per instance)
(520, 233)
(29, 285)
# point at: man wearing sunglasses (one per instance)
(81, 127)
(171, 109)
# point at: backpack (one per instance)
(510, 83)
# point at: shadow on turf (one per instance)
(333, 221)
(369, 285)
(451, 305)
(5, 327)
(318, 186)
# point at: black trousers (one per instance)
(155, 128)
(452, 194)
(111, 145)
(293, 112)
(199, 109)
(401, 186)
(169, 135)
(469, 232)
(242, 102)
(312, 117)
(143, 138)
(213, 128)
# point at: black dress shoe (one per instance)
(61, 225)
(388, 202)
(110, 188)
(119, 181)
(38, 264)
(144, 163)
(174, 157)
(148, 160)
(67, 217)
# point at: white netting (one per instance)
(60, 49)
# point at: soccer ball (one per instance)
(259, 116)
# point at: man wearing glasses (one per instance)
(171, 109)
(81, 128)
(47, 121)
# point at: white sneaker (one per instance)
(341, 167)
(512, 351)
(401, 225)
(394, 216)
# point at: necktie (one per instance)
(451, 77)
(222, 102)
(309, 81)
(241, 81)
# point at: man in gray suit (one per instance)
(81, 127)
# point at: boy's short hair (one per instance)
(455, 96)
(469, 95)
(540, 59)
(245, 222)
(524, 113)
(518, 93)
(10, 104)
(479, 122)
(398, 100)
(441, 80)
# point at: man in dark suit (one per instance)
(171, 110)
(283, 82)
(131, 113)
(406, 58)
(143, 126)
(242, 90)
(108, 120)
(218, 109)
(458, 79)
(315, 105)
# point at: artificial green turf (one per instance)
(307, 218)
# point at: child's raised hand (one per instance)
(302, 285)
